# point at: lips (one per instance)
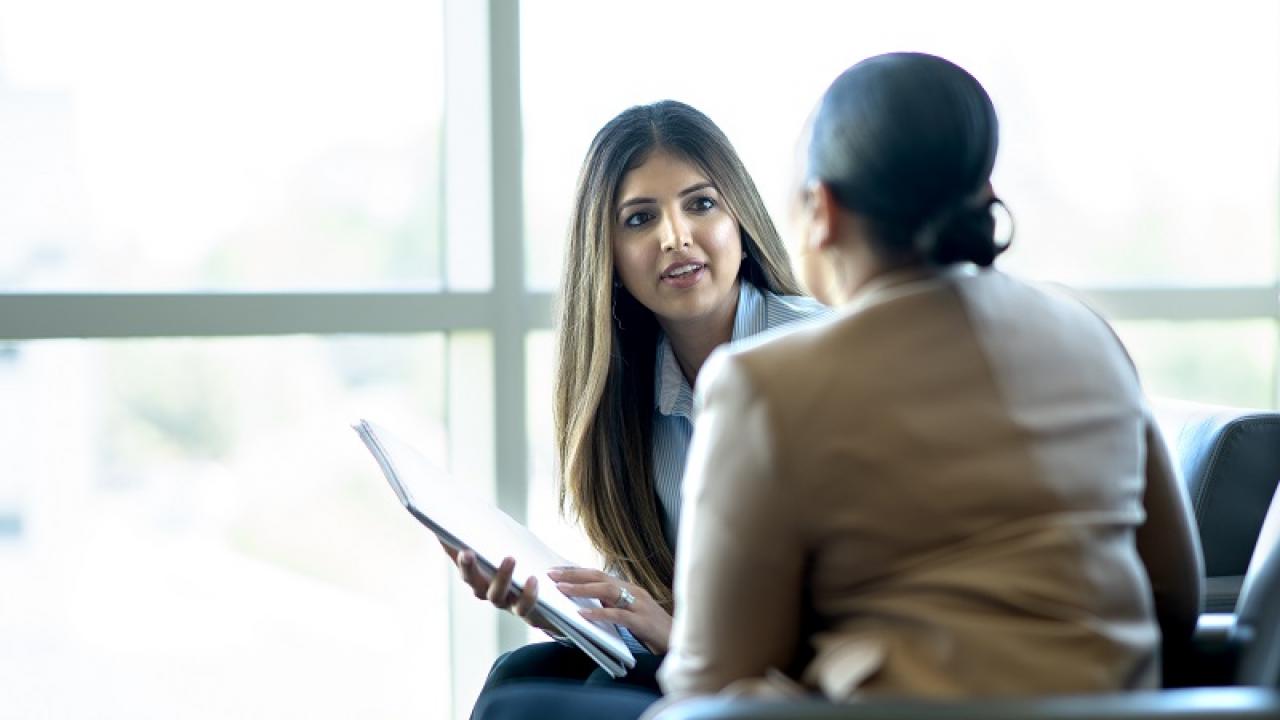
(682, 269)
(683, 275)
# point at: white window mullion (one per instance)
(31, 316)
(1185, 303)
(484, 219)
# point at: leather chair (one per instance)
(1230, 462)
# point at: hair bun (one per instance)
(962, 233)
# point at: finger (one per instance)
(602, 591)
(617, 616)
(500, 587)
(471, 574)
(524, 605)
(579, 575)
(449, 550)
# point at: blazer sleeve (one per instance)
(1169, 544)
(739, 565)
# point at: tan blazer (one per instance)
(940, 493)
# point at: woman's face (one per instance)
(676, 247)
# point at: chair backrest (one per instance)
(1230, 463)
(1258, 610)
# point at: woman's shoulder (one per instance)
(1057, 311)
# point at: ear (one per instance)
(825, 218)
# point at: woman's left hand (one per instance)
(644, 617)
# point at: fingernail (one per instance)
(564, 587)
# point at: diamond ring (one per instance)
(625, 598)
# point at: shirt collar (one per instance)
(750, 318)
(672, 394)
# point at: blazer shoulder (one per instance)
(785, 357)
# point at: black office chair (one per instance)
(1230, 462)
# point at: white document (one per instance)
(463, 520)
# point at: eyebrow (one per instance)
(687, 191)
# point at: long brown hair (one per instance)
(607, 340)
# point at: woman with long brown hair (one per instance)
(671, 253)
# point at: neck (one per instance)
(693, 340)
(855, 267)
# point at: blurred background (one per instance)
(230, 229)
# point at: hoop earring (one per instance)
(1002, 246)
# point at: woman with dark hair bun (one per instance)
(908, 142)
(953, 488)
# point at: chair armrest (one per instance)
(1189, 704)
(1211, 657)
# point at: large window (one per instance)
(195, 145)
(224, 241)
(191, 529)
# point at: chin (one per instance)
(682, 311)
(687, 307)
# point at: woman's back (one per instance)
(953, 468)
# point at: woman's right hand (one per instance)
(498, 590)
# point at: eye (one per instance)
(702, 204)
(637, 219)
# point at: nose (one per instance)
(676, 233)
